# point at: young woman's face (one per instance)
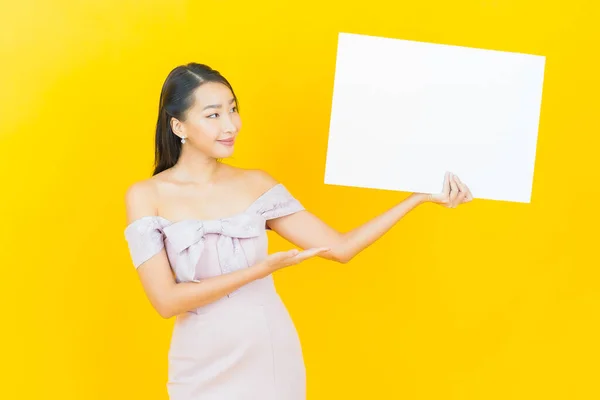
(212, 122)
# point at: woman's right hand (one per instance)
(283, 259)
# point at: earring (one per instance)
(183, 139)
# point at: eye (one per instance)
(211, 115)
(234, 109)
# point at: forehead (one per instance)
(212, 93)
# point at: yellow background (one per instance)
(493, 300)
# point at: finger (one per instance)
(459, 193)
(463, 190)
(461, 185)
(282, 255)
(311, 252)
(286, 255)
(453, 191)
(446, 186)
(283, 258)
(290, 253)
(468, 195)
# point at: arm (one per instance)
(168, 297)
(305, 230)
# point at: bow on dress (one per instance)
(189, 235)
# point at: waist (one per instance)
(258, 292)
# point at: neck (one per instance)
(194, 166)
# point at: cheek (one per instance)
(205, 128)
(237, 121)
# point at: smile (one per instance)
(228, 142)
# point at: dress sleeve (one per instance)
(278, 203)
(145, 238)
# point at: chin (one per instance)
(221, 153)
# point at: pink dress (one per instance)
(244, 345)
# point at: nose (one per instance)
(228, 125)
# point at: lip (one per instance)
(227, 142)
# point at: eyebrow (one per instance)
(216, 105)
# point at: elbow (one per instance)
(165, 314)
(339, 252)
(340, 257)
(344, 259)
(164, 309)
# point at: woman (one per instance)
(197, 237)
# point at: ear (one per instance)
(177, 127)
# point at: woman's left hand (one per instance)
(454, 192)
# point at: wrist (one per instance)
(422, 198)
(262, 269)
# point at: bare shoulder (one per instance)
(260, 179)
(141, 199)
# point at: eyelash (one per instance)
(234, 108)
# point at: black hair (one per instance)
(176, 97)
